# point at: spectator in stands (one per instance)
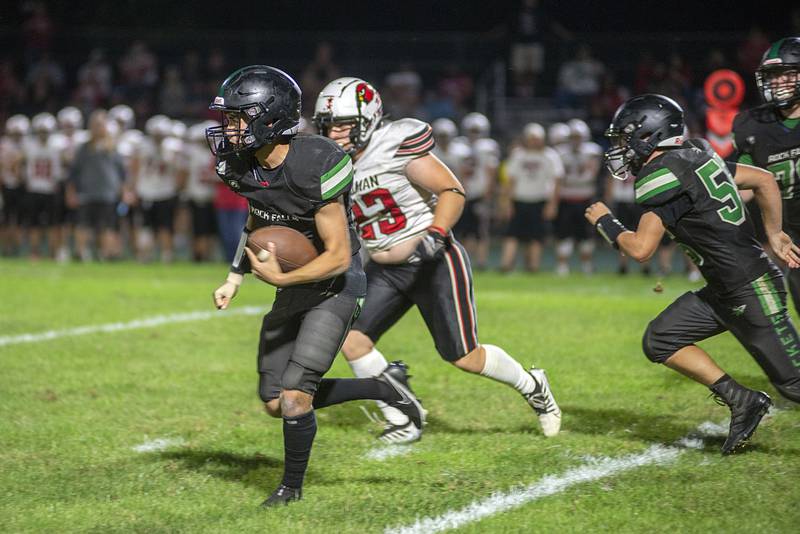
(456, 86)
(579, 79)
(172, 94)
(534, 171)
(531, 29)
(94, 188)
(12, 92)
(750, 51)
(45, 80)
(403, 92)
(94, 81)
(38, 30)
(139, 70)
(318, 73)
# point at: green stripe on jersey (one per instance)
(337, 178)
(336, 168)
(746, 159)
(767, 295)
(654, 184)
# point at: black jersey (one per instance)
(764, 140)
(316, 171)
(691, 189)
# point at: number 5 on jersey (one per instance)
(722, 190)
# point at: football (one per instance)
(292, 247)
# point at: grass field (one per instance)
(74, 409)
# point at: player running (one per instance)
(303, 182)
(768, 136)
(687, 191)
(406, 203)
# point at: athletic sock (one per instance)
(372, 364)
(298, 436)
(338, 390)
(500, 366)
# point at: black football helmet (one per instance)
(266, 98)
(778, 75)
(641, 125)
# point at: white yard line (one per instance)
(551, 484)
(146, 322)
(389, 451)
(158, 444)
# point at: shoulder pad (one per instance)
(414, 138)
(698, 144)
(324, 170)
(657, 187)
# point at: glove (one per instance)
(431, 247)
(225, 293)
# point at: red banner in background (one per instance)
(724, 92)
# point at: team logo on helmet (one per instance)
(364, 93)
(329, 103)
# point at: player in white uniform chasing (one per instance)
(406, 202)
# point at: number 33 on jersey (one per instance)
(389, 209)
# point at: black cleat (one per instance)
(747, 408)
(282, 496)
(396, 375)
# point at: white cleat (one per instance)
(544, 404)
(398, 434)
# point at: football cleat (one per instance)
(396, 375)
(747, 409)
(398, 434)
(544, 404)
(282, 496)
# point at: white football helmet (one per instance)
(44, 123)
(444, 128)
(475, 125)
(533, 129)
(178, 129)
(158, 126)
(579, 130)
(70, 118)
(123, 115)
(18, 125)
(349, 100)
(557, 134)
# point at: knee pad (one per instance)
(294, 377)
(653, 345)
(790, 389)
(565, 247)
(586, 247)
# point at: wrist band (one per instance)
(610, 229)
(438, 230)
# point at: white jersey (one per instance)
(623, 191)
(10, 154)
(389, 209)
(486, 155)
(157, 169)
(43, 167)
(534, 173)
(581, 166)
(69, 144)
(200, 164)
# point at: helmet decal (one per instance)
(364, 93)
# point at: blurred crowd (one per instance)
(111, 190)
(137, 180)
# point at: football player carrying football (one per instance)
(768, 136)
(688, 192)
(303, 182)
(406, 202)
